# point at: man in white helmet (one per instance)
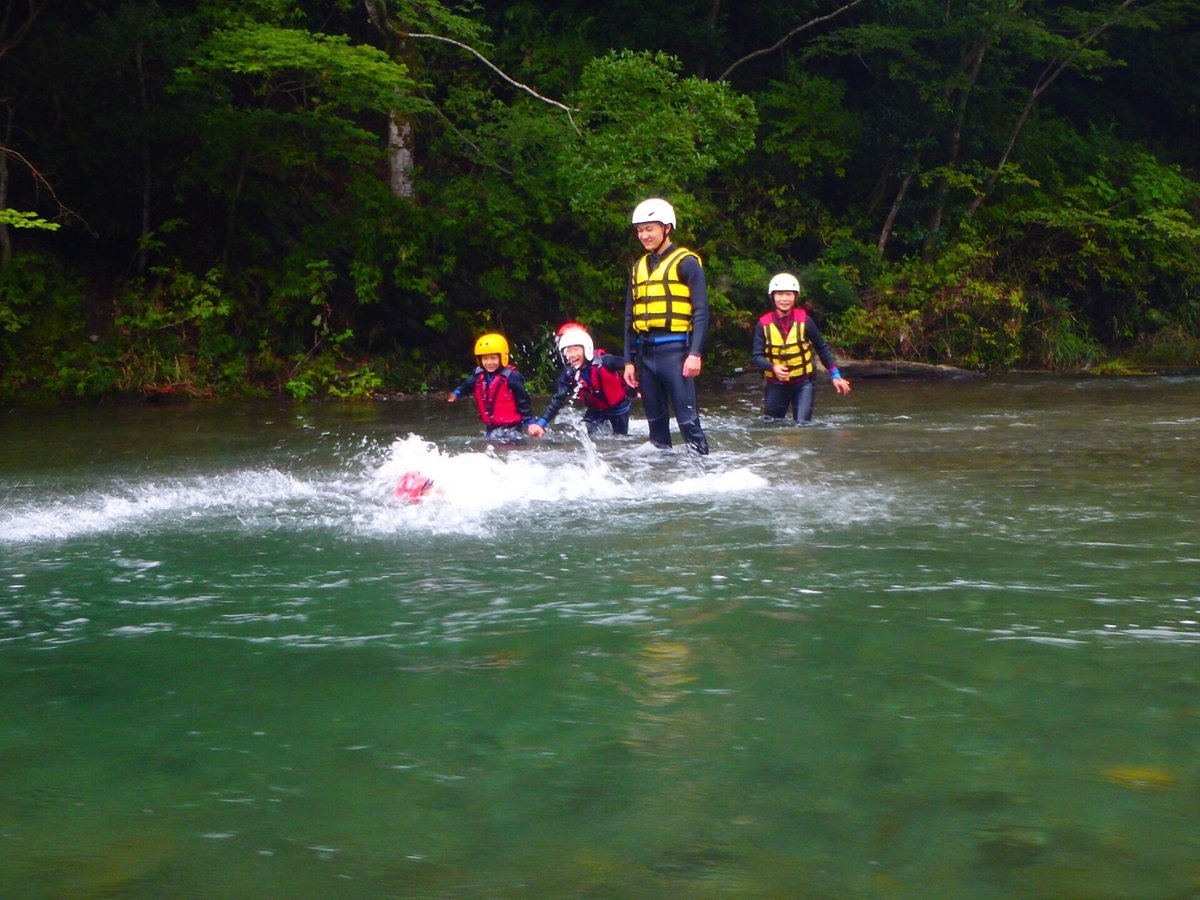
(784, 341)
(666, 323)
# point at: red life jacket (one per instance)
(496, 403)
(599, 387)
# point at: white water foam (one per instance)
(470, 492)
(123, 506)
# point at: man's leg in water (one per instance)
(654, 395)
(683, 398)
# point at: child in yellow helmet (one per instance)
(499, 390)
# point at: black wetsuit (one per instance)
(659, 356)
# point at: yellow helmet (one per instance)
(493, 343)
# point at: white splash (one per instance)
(123, 506)
(470, 492)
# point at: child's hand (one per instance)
(452, 397)
(781, 372)
(535, 430)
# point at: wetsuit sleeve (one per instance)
(813, 333)
(516, 383)
(758, 349)
(467, 387)
(630, 345)
(611, 362)
(692, 274)
(562, 390)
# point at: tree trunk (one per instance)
(889, 223)
(710, 22)
(5, 237)
(401, 143)
(143, 245)
(400, 156)
(972, 63)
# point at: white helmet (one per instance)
(654, 210)
(576, 336)
(784, 281)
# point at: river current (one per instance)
(944, 642)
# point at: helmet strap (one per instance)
(666, 241)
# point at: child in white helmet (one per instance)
(784, 341)
(592, 375)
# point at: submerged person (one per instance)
(592, 375)
(499, 389)
(784, 341)
(412, 486)
(666, 323)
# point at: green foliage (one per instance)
(834, 282)
(1122, 233)
(24, 285)
(321, 73)
(40, 315)
(17, 219)
(1172, 345)
(330, 375)
(174, 333)
(231, 225)
(1062, 340)
(954, 311)
(1116, 367)
(810, 125)
(291, 123)
(81, 372)
(647, 130)
(539, 361)
(744, 279)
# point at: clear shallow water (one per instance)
(943, 643)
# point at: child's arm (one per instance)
(563, 385)
(758, 349)
(840, 384)
(612, 362)
(467, 385)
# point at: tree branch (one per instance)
(1049, 75)
(10, 40)
(524, 87)
(466, 140)
(783, 40)
(40, 179)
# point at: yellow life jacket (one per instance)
(660, 299)
(792, 350)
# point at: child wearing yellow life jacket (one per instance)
(593, 375)
(784, 341)
(499, 390)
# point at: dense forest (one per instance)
(320, 198)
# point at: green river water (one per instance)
(944, 643)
